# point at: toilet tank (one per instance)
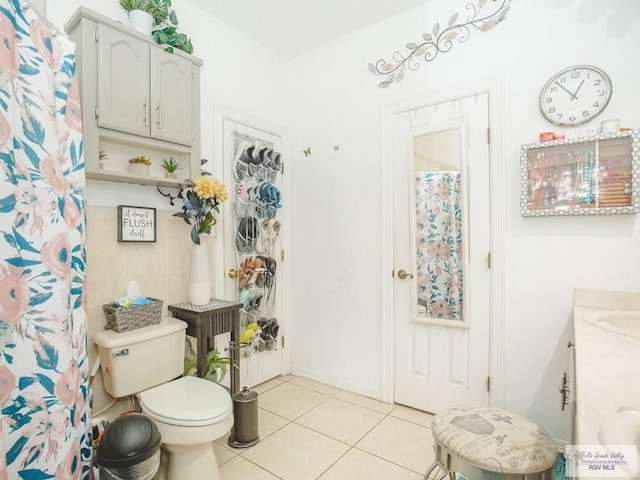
(139, 359)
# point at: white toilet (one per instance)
(190, 412)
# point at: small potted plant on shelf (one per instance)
(139, 165)
(102, 156)
(217, 366)
(171, 167)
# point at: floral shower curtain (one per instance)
(44, 421)
(439, 245)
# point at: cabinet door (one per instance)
(123, 82)
(172, 97)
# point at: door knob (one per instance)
(232, 273)
(402, 275)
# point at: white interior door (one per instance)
(254, 251)
(442, 242)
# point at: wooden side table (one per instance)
(204, 323)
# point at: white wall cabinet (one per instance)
(137, 99)
(142, 89)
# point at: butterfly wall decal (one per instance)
(336, 148)
(307, 152)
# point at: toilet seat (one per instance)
(187, 401)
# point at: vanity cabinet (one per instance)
(595, 175)
(137, 100)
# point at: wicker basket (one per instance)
(122, 319)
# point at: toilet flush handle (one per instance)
(121, 353)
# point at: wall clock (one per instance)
(575, 95)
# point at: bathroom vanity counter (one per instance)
(607, 363)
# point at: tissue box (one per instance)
(122, 319)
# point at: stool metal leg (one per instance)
(431, 469)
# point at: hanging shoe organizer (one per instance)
(256, 202)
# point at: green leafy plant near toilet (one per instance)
(217, 365)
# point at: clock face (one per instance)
(575, 95)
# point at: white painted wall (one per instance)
(338, 214)
(328, 97)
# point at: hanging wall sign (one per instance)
(136, 224)
(482, 15)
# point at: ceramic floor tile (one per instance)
(341, 420)
(400, 442)
(268, 385)
(315, 386)
(239, 468)
(290, 401)
(223, 453)
(164, 464)
(296, 453)
(269, 422)
(359, 465)
(367, 402)
(412, 415)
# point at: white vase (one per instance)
(141, 21)
(199, 283)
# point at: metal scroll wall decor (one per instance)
(482, 16)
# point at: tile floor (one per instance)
(312, 431)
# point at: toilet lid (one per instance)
(188, 401)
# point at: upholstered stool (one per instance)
(490, 443)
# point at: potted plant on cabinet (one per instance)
(171, 167)
(140, 14)
(162, 24)
(139, 165)
(166, 31)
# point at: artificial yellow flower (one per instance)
(201, 199)
(206, 186)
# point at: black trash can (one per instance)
(129, 449)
